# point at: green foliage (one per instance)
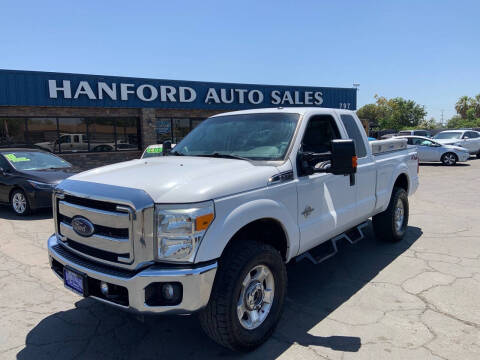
(396, 113)
(429, 124)
(468, 110)
(456, 122)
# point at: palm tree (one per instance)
(462, 106)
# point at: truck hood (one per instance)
(183, 179)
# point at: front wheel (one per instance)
(19, 203)
(449, 159)
(391, 224)
(247, 297)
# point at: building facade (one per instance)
(92, 120)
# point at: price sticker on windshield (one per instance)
(14, 159)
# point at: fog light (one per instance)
(163, 294)
(104, 288)
(167, 291)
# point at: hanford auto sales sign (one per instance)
(31, 88)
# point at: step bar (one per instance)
(329, 248)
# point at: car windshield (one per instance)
(263, 136)
(34, 160)
(448, 135)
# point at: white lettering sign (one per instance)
(182, 94)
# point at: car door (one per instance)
(326, 202)
(5, 180)
(427, 149)
(473, 142)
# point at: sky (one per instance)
(424, 50)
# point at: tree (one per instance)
(462, 106)
(396, 113)
(429, 124)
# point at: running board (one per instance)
(329, 248)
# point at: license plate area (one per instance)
(75, 281)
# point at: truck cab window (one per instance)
(354, 133)
(320, 131)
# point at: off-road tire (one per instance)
(219, 319)
(384, 223)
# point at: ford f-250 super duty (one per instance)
(210, 227)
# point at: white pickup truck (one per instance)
(210, 227)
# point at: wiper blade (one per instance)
(176, 153)
(224, 156)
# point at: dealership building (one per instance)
(92, 120)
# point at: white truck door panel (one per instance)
(365, 181)
(326, 206)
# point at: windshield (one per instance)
(448, 135)
(34, 160)
(264, 136)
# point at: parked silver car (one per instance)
(467, 139)
(430, 150)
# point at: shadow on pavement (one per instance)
(96, 331)
(8, 214)
(439, 164)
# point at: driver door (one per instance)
(326, 202)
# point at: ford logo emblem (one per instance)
(82, 226)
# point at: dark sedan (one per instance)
(28, 177)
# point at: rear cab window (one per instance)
(354, 133)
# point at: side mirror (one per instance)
(341, 160)
(344, 157)
(3, 171)
(166, 147)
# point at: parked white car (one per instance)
(430, 150)
(425, 133)
(468, 139)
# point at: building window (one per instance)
(13, 131)
(102, 134)
(67, 135)
(175, 129)
(72, 134)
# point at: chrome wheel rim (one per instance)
(450, 159)
(19, 203)
(399, 215)
(256, 297)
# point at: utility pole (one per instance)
(441, 121)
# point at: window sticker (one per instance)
(154, 150)
(14, 159)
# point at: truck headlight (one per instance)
(180, 229)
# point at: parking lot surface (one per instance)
(418, 299)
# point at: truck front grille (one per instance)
(112, 239)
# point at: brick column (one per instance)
(147, 127)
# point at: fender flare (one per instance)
(223, 229)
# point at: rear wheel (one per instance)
(19, 203)
(449, 159)
(478, 155)
(247, 297)
(391, 224)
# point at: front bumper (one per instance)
(196, 282)
(463, 156)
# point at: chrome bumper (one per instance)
(197, 282)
